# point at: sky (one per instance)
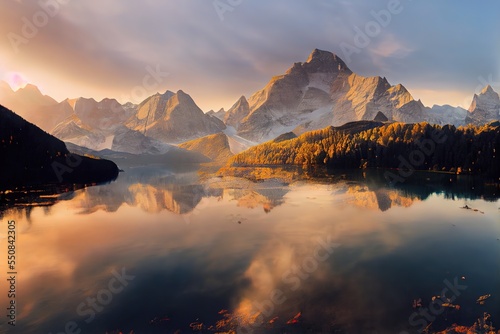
(217, 50)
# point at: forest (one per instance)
(369, 144)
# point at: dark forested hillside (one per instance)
(30, 156)
(420, 146)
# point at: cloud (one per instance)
(103, 50)
(391, 47)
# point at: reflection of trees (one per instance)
(154, 190)
(423, 184)
(20, 202)
(419, 186)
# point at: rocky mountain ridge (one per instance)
(310, 95)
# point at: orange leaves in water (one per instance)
(295, 319)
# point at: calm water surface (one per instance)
(160, 252)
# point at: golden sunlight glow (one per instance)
(15, 80)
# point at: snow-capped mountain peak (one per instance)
(485, 107)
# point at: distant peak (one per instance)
(5, 86)
(320, 54)
(108, 100)
(487, 90)
(31, 88)
(399, 87)
(183, 97)
(325, 61)
(85, 100)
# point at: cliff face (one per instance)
(30, 156)
(216, 146)
(484, 108)
(321, 91)
(237, 113)
(33, 106)
(173, 118)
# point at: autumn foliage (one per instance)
(367, 144)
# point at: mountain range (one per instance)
(310, 95)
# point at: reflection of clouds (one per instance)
(215, 262)
(265, 273)
(66, 260)
(339, 291)
(189, 271)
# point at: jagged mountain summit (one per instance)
(219, 114)
(35, 107)
(237, 112)
(149, 111)
(145, 128)
(321, 91)
(173, 118)
(484, 108)
(99, 125)
(313, 94)
(104, 115)
(446, 114)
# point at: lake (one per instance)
(161, 251)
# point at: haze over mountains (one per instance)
(313, 94)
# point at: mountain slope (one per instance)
(237, 113)
(173, 119)
(73, 130)
(31, 156)
(32, 105)
(104, 115)
(99, 125)
(219, 114)
(173, 157)
(484, 108)
(446, 114)
(321, 91)
(215, 147)
(149, 111)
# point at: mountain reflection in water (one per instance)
(154, 190)
(211, 253)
